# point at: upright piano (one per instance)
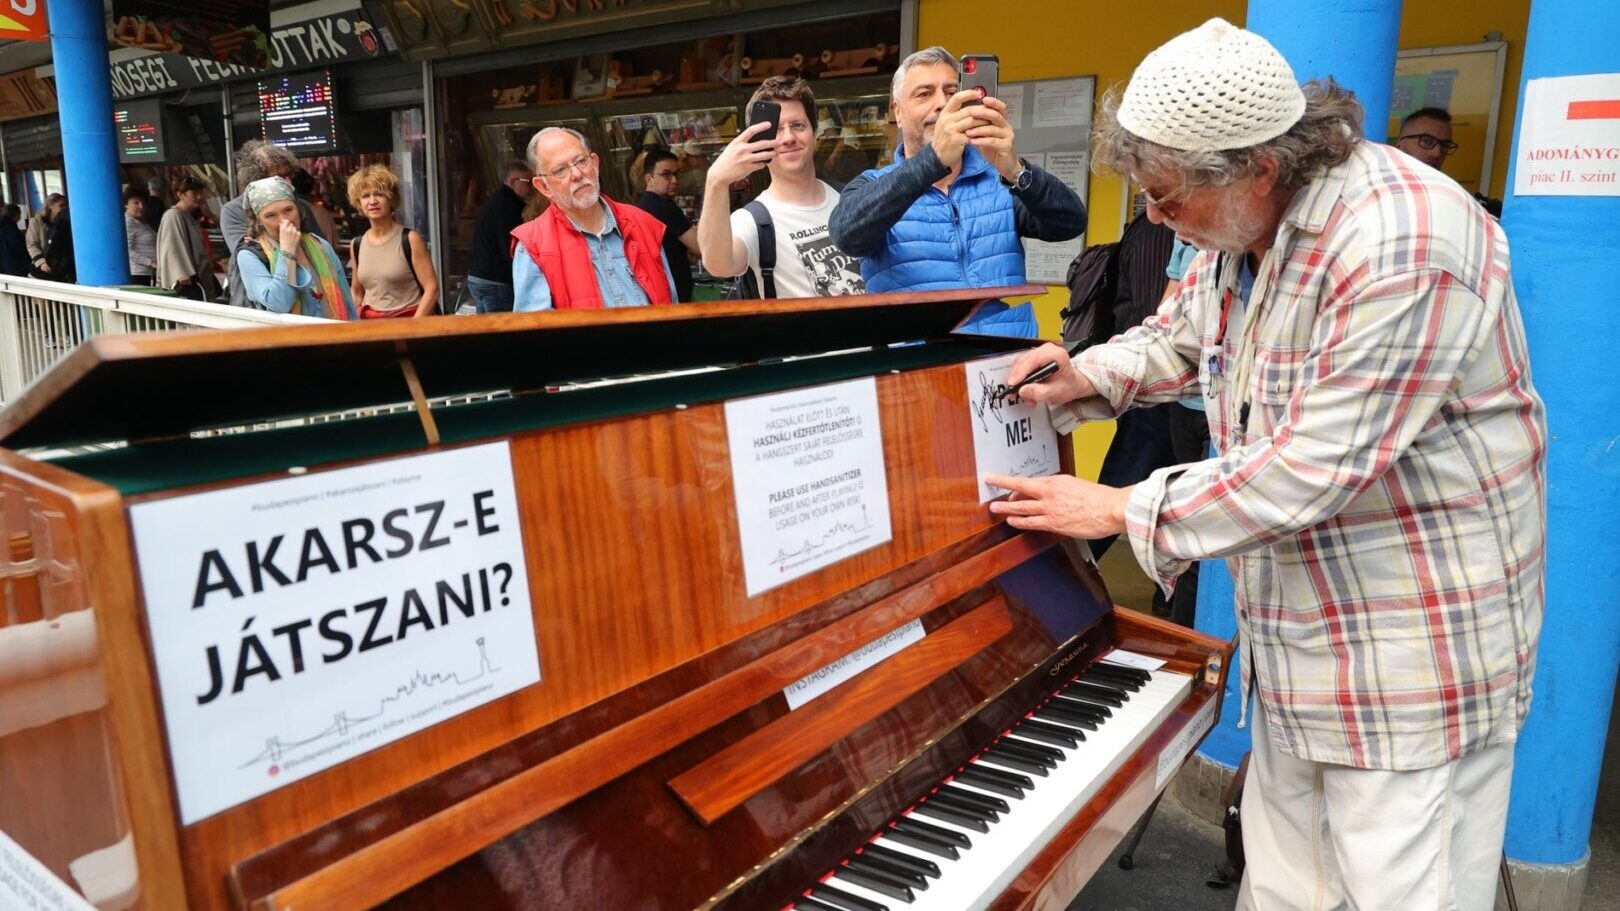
(667, 608)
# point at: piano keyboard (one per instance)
(961, 844)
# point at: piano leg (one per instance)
(1125, 860)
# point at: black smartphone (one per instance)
(768, 111)
(978, 71)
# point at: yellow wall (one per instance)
(1047, 39)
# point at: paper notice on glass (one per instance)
(808, 474)
(1013, 95)
(1073, 168)
(300, 622)
(1049, 263)
(1009, 437)
(1063, 103)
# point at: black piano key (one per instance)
(810, 904)
(912, 840)
(902, 859)
(993, 779)
(1096, 711)
(1057, 714)
(970, 807)
(988, 800)
(844, 900)
(1098, 707)
(1133, 684)
(1057, 735)
(1048, 756)
(879, 867)
(1134, 673)
(942, 835)
(876, 884)
(1115, 698)
(954, 817)
(1014, 761)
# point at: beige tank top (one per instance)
(385, 274)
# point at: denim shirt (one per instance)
(618, 284)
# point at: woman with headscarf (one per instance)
(283, 267)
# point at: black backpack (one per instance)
(1093, 282)
(745, 288)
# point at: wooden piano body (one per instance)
(656, 765)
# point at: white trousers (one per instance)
(1328, 837)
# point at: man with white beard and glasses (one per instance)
(585, 252)
(1379, 488)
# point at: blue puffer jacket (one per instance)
(912, 237)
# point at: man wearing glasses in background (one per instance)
(1426, 135)
(489, 271)
(585, 252)
(661, 170)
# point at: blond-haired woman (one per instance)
(391, 268)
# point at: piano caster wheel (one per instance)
(1125, 862)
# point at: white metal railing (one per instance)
(41, 321)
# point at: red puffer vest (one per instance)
(565, 260)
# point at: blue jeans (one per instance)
(488, 296)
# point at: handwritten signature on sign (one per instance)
(992, 399)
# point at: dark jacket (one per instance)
(13, 251)
(59, 249)
(1144, 252)
(491, 258)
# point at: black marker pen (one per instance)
(1042, 373)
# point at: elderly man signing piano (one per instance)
(1379, 488)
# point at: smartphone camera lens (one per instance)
(970, 65)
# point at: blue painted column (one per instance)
(1354, 42)
(89, 149)
(1572, 323)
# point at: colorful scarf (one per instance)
(331, 299)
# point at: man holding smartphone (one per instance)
(801, 259)
(956, 185)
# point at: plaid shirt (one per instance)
(1379, 484)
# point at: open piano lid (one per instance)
(159, 385)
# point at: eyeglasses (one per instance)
(582, 164)
(1426, 141)
(1169, 203)
(666, 175)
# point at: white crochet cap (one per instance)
(1215, 87)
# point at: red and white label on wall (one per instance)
(1569, 137)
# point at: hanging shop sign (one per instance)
(438, 28)
(344, 37)
(23, 20)
(224, 31)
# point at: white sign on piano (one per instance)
(300, 622)
(807, 469)
(1009, 437)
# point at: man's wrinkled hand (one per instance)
(1061, 504)
(1067, 385)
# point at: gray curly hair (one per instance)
(255, 159)
(1325, 136)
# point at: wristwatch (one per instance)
(1022, 180)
